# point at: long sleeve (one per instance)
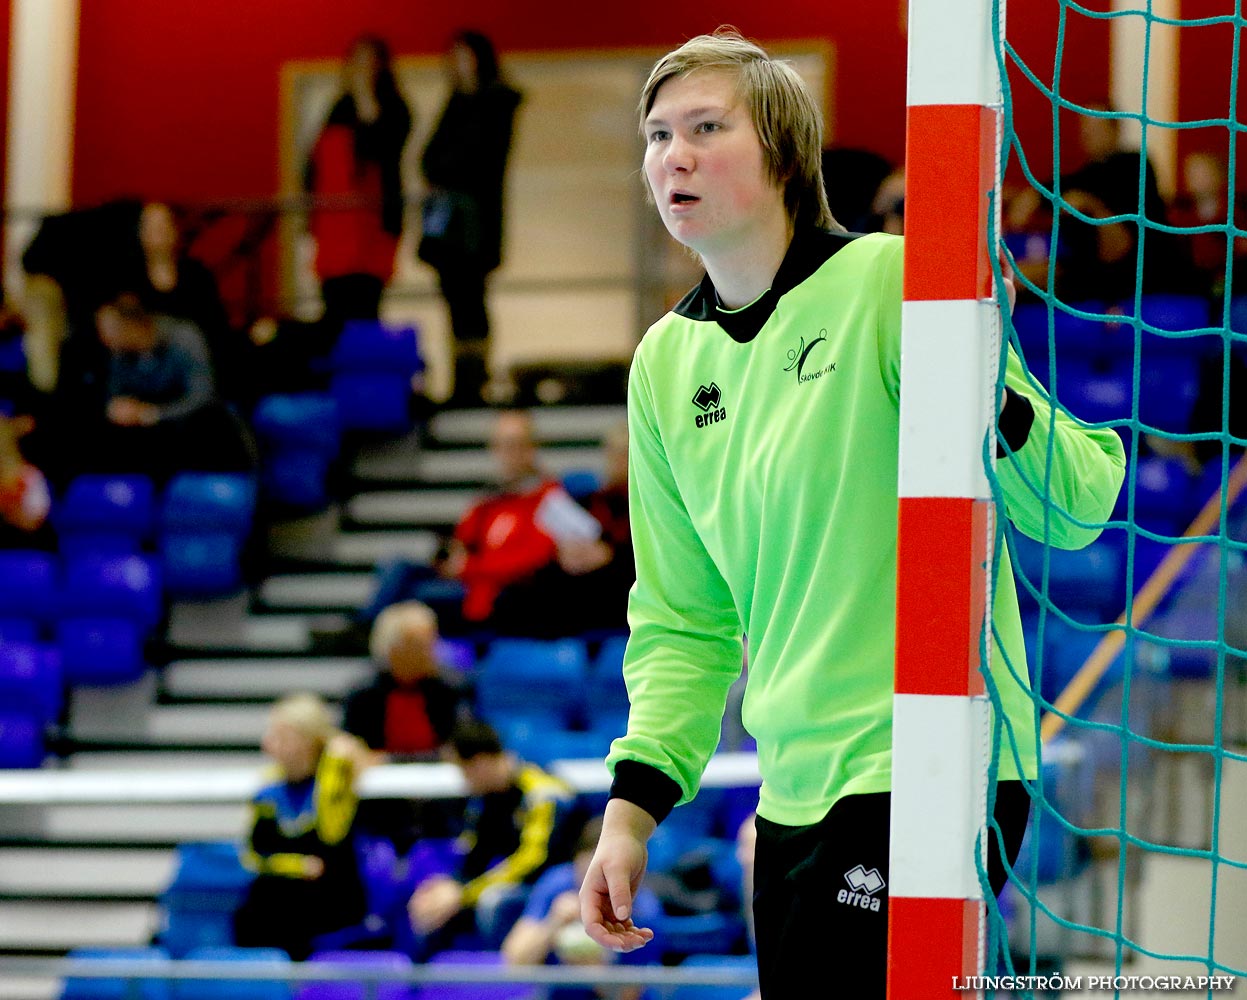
(530, 855)
(1068, 503)
(186, 343)
(336, 798)
(521, 551)
(685, 646)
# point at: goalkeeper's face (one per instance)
(705, 165)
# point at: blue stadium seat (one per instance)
(1066, 648)
(733, 962)
(581, 482)
(236, 989)
(533, 676)
(546, 746)
(1174, 314)
(373, 366)
(126, 587)
(456, 654)
(373, 346)
(298, 477)
(1074, 338)
(117, 989)
(108, 514)
(1081, 582)
(30, 681)
(373, 401)
(299, 437)
(21, 741)
(100, 651)
(606, 697)
(18, 630)
(1168, 390)
(1165, 500)
(201, 564)
(701, 933)
(208, 885)
(361, 990)
(209, 501)
(1049, 851)
(29, 585)
(298, 421)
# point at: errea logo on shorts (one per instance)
(864, 884)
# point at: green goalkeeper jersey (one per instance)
(763, 492)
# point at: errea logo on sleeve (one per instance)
(709, 399)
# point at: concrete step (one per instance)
(466, 465)
(317, 591)
(226, 625)
(47, 926)
(212, 761)
(246, 679)
(124, 823)
(36, 872)
(412, 508)
(367, 548)
(563, 423)
(177, 725)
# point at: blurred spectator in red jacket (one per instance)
(354, 172)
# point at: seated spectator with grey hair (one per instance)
(410, 708)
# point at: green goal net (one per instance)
(1120, 224)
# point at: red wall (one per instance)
(180, 100)
(1205, 61)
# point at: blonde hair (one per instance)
(781, 108)
(391, 622)
(307, 714)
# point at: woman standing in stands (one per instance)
(354, 172)
(300, 845)
(464, 164)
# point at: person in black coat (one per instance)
(464, 164)
(406, 713)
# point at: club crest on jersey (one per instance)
(799, 356)
(709, 399)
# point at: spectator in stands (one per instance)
(406, 713)
(355, 170)
(531, 561)
(161, 412)
(1100, 260)
(1203, 200)
(409, 709)
(300, 843)
(24, 496)
(516, 826)
(586, 586)
(464, 164)
(889, 204)
(550, 932)
(500, 542)
(746, 847)
(175, 284)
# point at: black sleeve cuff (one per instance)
(646, 787)
(1014, 425)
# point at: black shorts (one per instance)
(820, 898)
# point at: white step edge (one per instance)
(43, 871)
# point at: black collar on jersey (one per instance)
(810, 249)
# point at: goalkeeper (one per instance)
(763, 415)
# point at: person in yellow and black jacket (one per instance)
(300, 844)
(518, 823)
